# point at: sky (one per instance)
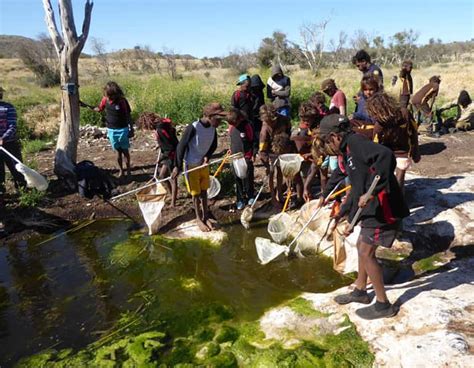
(217, 27)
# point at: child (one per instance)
(318, 100)
(256, 88)
(196, 146)
(338, 98)
(361, 121)
(9, 141)
(406, 88)
(272, 124)
(243, 99)
(278, 90)
(395, 130)
(423, 102)
(165, 135)
(361, 159)
(464, 119)
(241, 140)
(119, 123)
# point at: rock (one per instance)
(190, 229)
(433, 327)
(92, 132)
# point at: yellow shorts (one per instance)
(198, 180)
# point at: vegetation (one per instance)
(30, 197)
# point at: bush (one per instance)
(33, 146)
(30, 197)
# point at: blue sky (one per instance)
(214, 28)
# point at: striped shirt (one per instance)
(7, 122)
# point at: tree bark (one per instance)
(68, 47)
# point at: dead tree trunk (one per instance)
(68, 47)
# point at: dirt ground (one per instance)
(447, 155)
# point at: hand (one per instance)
(347, 230)
(320, 202)
(206, 160)
(131, 133)
(174, 173)
(307, 195)
(1, 142)
(363, 200)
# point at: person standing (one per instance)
(278, 91)
(256, 87)
(338, 103)
(363, 62)
(243, 98)
(382, 212)
(195, 148)
(9, 141)
(406, 88)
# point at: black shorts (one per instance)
(379, 236)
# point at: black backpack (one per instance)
(92, 181)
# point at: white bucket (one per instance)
(240, 167)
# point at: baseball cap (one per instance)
(333, 123)
(242, 79)
(213, 109)
(327, 83)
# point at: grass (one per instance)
(34, 146)
(182, 100)
(30, 197)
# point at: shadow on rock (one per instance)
(431, 148)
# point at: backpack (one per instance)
(92, 181)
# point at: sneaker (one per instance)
(240, 205)
(377, 310)
(251, 201)
(355, 296)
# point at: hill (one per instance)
(9, 45)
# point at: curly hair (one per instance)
(317, 98)
(268, 114)
(383, 108)
(282, 144)
(113, 91)
(148, 121)
(308, 113)
(235, 115)
(369, 81)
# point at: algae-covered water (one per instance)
(89, 288)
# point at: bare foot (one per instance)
(202, 226)
(212, 224)
(120, 175)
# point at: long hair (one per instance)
(148, 121)
(268, 114)
(384, 109)
(113, 91)
(369, 81)
(308, 113)
(464, 99)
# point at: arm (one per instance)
(269, 92)
(182, 147)
(212, 149)
(233, 100)
(285, 92)
(11, 125)
(336, 176)
(307, 184)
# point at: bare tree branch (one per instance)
(67, 21)
(85, 26)
(52, 27)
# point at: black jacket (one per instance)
(361, 160)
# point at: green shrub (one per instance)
(30, 197)
(33, 146)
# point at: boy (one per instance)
(9, 141)
(464, 119)
(338, 98)
(243, 98)
(256, 88)
(272, 124)
(406, 89)
(361, 160)
(241, 140)
(318, 99)
(278, 90)
(363, 62)
(196, 146)
(423, 102)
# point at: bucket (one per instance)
(290, 164)
(278, 227)
(240, 167)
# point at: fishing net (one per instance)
(33, 178)
(290, 164)
(278, 227)
(246, 217)
(268, 251)
(214, 187)
(151, 201)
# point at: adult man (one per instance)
(363, 62)
(278, 90)
(361, 160)
(9, 141)
(406, 88)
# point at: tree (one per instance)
(100, 51)
(68, 48)
(312, 43)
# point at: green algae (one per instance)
(176, 316)
(428, 264)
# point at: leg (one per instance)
(164, 172)
(197, 204)
(174, 191)
(249, 181)
(2, 172)
(205, 211)
(126, 153)
(15, 149)
(120, 161)
(373, 270)
(299, 189)
(400, 174)
(279, 179)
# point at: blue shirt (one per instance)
(7, 122)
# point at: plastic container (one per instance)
(240, 167)
(290, 164)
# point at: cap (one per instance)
(333, 123)
(213, 109)
(242, 79)
(328, 83)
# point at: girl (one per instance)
(396, 130)
(118, 121)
